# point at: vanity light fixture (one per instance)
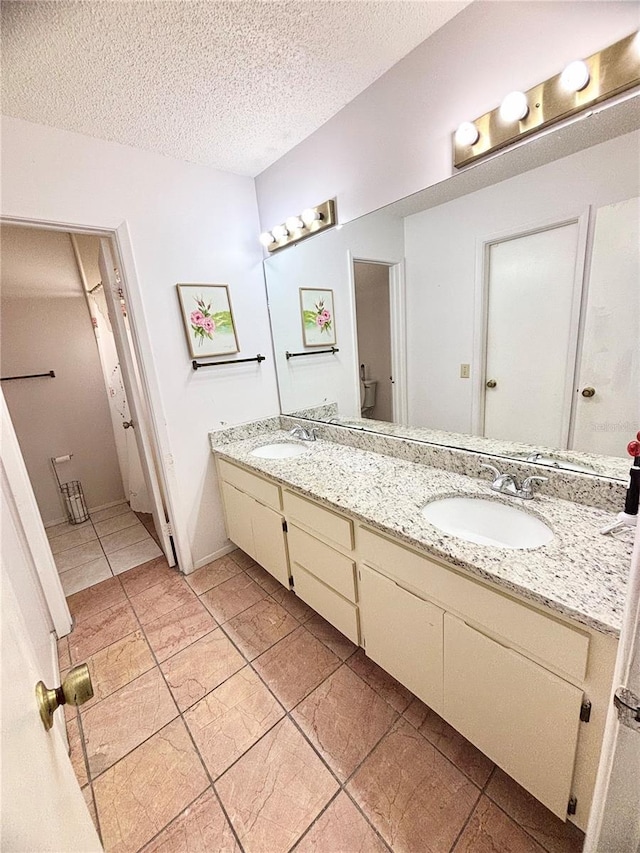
(467, 133)
(267, 239)
(575, 76)
(514, 107)
(294, 223)
(295, 228)
(583, 83)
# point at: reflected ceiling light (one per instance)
(514, 107)
(294, 223)
(575, 76)
(311, 221)
(467, 133)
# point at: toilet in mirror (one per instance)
(498, 311)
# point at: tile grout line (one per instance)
(287, 715)
(180, 715)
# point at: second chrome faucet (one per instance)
(506, 484)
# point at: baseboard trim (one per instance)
(221, 552)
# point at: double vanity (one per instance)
(500, 613)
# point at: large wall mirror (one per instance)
(498, 311)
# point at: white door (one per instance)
(531, 336)
(610, 359)
(614, 823)
(42, 806)
(113, 291)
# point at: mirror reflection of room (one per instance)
(522, 313)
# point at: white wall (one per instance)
(324, 262)
(187, 223)
(441, 246)
(67, 414)
(395, 138)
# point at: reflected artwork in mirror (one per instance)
(498, 312)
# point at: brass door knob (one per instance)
(76, 689)
(491, 383)
(588, 392)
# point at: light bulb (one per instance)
(280, 232)
(514, 107)
(575, 76)
(310, 215)
(294, 223)
(267, 238)
(467, 134)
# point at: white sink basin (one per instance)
(487, 522)
(282, 450)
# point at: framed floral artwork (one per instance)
(318, 322)
(208, 319)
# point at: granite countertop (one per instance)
(581, 574)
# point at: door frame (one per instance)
(481, 313)
(397, 328)
(147, 382)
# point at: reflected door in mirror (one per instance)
(532, 297)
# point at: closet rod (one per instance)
(258, 358)
(51, 373)
(331, 351)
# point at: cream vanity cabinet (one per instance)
(529, 688)
(510, 678)
(321, 554)
(254, 519)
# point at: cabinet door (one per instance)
(403, 634)
(523, 717)
(269, 542)
(238, 510)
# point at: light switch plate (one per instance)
(465, 371)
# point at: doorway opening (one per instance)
(73, 390)
(379, 328)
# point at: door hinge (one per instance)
(585, 711)
(284, 526)
(291, 583)
(573, 805)
(168, 529)
(628, 707)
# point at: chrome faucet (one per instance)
(505, 484)
(303, 434)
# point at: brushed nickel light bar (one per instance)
(582, 84)
(296, 228)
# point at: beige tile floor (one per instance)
(228, 716)
(114, 540)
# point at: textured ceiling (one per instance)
(234, 85)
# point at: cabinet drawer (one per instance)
(342, 614)
(523, 717)
(267, 493)
(329, 566)
(403, 634)
(327, 524)
(545, 638)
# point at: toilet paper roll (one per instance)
(59, 459)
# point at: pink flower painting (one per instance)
(317, 317)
